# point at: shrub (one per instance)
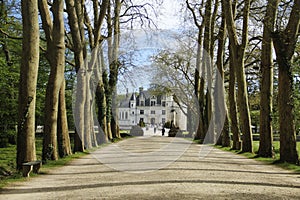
(167, 124)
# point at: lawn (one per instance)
(8, 171)
(274, 161)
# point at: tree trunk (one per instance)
(114, 70)
(115, 111)
(207, 74)
(94, 39)
(87, 112)
(199, 90)
(244, 108)
(232, 95)
(220, 100)
(199, 79)
(265, 129)
(288, 150)
(236, 140)
(28, 80)
(238, 54)
(214, 126)
(64, 145)
(285, 43)
(102, 136)
(76, 22)
(56, 57)
(101, 104)
(107, 105)
(78, 144)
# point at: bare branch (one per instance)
(10, 36)
(194, 14)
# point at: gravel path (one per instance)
(159, 168)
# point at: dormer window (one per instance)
(152, 103)
(142, 103)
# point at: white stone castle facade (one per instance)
(151, 109)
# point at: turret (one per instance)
(133, 101)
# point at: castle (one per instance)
(149, 109)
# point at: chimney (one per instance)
(141, 89)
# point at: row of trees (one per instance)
(232, 50)
(72, 35)
(284, 37)
(72, 32)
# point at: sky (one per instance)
(146, 44)
(169, 18)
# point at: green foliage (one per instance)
(142, 124)
(255, 118)
(167, 124)
(9, 76)
(296, 73)
(44, 70)
(10, 56)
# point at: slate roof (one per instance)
(125, 103)
(145, 94)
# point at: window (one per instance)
(142, 112)
(163, 112)
(152, 103)
(152, 112)
(163, 121)
(142, 103)
(126, 115)
(133, 112)
(152, 121)
(163, 104)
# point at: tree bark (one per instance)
(76, 22)
(55, 54)
(236, 143)
(95, 39)
(199, 91)
(238, 54)
(199, 79)
(285, 43)
(220, 96)
(236, 139)
(64, 145)
(265, 130)
(207, 75)
(114, 65)
(87, 112)
(28, 80)
(102, 136)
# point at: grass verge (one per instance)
(9, 174)
(274, 161)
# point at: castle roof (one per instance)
(144, 95)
